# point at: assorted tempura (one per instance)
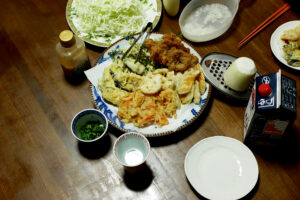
(150, 90)
(291, 47)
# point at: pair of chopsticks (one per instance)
(268, 21)
(147, 29)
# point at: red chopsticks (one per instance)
(268, 21)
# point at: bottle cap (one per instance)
(66, 38)
(264, 90)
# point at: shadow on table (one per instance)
(95, 150)
(95, 48)
(295, 5)
(249, 196)
(138, 181)
(114, 131)
(229, 100)
(286, 152)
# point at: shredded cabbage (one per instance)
(110, 18)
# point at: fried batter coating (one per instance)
(291, 34)
(171, 52)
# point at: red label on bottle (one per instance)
(276, 127)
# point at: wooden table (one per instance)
(40, 159)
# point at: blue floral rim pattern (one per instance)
(188, 115)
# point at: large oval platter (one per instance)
(152, 14)
(185, 116)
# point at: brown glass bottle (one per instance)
(72, 55)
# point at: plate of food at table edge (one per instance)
(285, 44)
(157, 89)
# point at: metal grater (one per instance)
(214, 66)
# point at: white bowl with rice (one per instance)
(204, 20)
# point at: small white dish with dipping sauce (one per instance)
(204, 20)
(131, 150)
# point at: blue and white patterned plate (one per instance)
(185, 116)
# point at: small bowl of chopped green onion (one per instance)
(89, 125)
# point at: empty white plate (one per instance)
(221, 168)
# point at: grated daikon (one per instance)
(206, 19)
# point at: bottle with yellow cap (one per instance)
(72, 55)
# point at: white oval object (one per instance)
(240, 73)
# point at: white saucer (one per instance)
(221, 168)
(277, 43)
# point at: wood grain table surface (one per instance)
(39, 157)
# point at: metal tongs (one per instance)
(147, 29)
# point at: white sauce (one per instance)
(206, 19)
(133, 157)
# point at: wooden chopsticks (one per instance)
(268, 21)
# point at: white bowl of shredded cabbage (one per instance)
(204, 20)
(103, 22)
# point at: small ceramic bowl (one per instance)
(87, 116)
(131, 150)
